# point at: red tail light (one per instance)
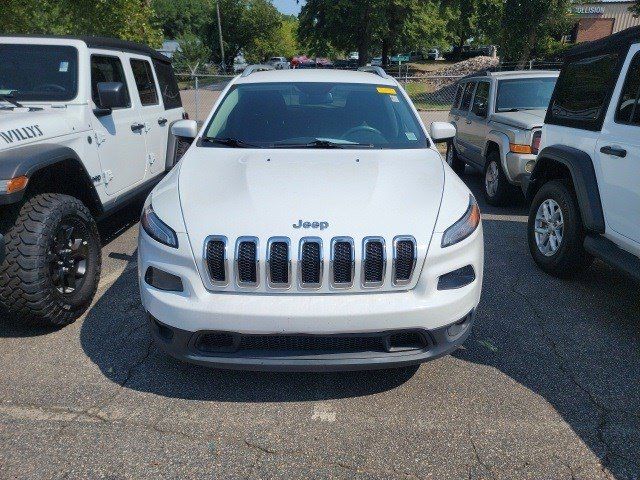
(535, 143)
(185, 116)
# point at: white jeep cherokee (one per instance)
(584, 190)
(312, 225)
(84, 130)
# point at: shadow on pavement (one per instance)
(576, 343)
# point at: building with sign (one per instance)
(600, 19)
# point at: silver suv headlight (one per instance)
(464, 227)
(156, 228)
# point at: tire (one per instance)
(454, 160)
(569, 257)
(496, 187)
(53, 243)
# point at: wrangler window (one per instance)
(106, 69)
(628, 109)
(145, 83)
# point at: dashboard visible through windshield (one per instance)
(315, 115)
(38, 72)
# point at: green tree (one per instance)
(531, 27)
(126, 19)
(192, 56)
(177, 17)
(246, 26)
(477, 20)
(635, 8)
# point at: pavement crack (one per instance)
(476, 454)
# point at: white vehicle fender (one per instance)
(165, 199)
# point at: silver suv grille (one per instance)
(311, 263)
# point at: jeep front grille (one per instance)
(309, 260)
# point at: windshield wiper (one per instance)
(8, 98)
(230, 142)
(321, 144)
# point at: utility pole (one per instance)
(224, 65)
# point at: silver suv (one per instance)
(499, 118)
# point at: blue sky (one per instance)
(288, 6)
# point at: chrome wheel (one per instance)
(549, 227)
(491, 179)
(68, 256)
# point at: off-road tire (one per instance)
(505, 191)
(27, 290)
(571, 258)
(454, 160)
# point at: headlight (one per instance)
(464, 227)
(156, 228)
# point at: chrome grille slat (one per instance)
(278, 262)
(247, 264)
(374, 261)
(310, 263)
(342, 266)
(404, 260)
(216, 258)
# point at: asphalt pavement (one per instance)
(547, 387)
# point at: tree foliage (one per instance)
(192, 56)
(178, 17)
(635, 8)
(126, 19)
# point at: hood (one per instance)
(524, 119)
(268, 193)
(21, 127)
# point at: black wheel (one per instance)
(52, 266)
(555, 231)
(454, 160)
(497, 189)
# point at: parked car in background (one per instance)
(585, 188)
(279, 63)
(302, 61)
(322, 62)
(433, 54)
(499, 118)
(238, 272)
(84, 130)
(376, 62)
(353, 56)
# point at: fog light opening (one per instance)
(163, 331)
(404, 341)
(162, 280)
(457, 279)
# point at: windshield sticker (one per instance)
(387, 90)
(411, 136)
(21, 134)
(64, 67)
(395, 99)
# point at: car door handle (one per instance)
(162, 121)
(136, 127)
(615, 151)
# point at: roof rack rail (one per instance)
(375, 70)
(256, 68)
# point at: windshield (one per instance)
(38, 72)
(315, 115)
(525, 94)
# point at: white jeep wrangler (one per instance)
(584, 189)
(84, 129)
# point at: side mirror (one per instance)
(185, 129)
(112, 95)
(442, 131)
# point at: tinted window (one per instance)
(106, 69)
(583, 92)
(628, 110)
(168, 85)
(481, 100)
(524, 94)
(144, 82)
(466, 97)
(295, 114)
(456, 101)
(38, 72)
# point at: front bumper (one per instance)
(267, 354)
(424, 309)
